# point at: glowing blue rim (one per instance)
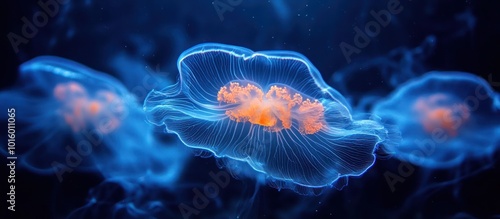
(413, 84)
(66, 68)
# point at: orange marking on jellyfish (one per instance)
(60, 92)
(274, 110)
(78, 106)
(449, 118)
(80, 110)
(76, 88)
(237, 94)
(440, 118)
(312, 113)
(67, 90)
(283, 104)
(94, 108)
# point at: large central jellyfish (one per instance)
(269, 109)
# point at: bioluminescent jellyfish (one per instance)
(444, 118)
(270, 109)
(70, 117)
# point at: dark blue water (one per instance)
(423, 68)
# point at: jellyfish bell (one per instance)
(228, 96)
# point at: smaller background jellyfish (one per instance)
(58, 101)
(450, 126)
(70, 117)
(444, 119)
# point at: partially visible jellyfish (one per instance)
(445, 118)
(70, 117)
(269, 109)
(380, 75)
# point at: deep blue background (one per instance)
(154, 33)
